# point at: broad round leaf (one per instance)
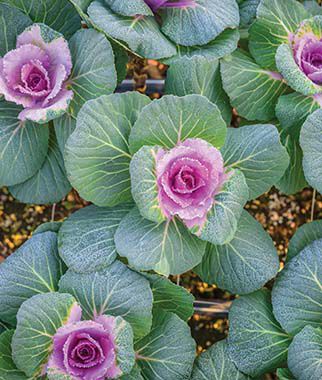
(291, 72)
(12, 23)
(49, 226)
(34, 268)
(198, 75)
(244, 264)
(293, 180)
(216, 364)
(304, 236)
(8, 369)
(23, 146)
(172, 119)
(60, 15)
(116, 291)
(257, 151)
(252, 91)
(144, 183)
(297, 295)
(134, 375)
(222, 45)
(129, 8)
(276, 21)
(256, 343)
(170, 297)
(168, 351)
(313, 7)
(86, 239)
(94, 71)
(97, 154)
(38, 320)
(140, 34)
(199, 24)
(124, 343)
(305, 354)
(167, 248)
(311, 143)
(293, 109)
(64, 127)
(222, 220)
(49, 184)
(247, 11)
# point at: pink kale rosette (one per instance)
(307, 50)
(300, 60)
(89, 350)
(180, 182)
(35, 74)
(155, 5)
(188, 177)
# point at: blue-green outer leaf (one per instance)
(94, 72)
(253, 91)
(97, 154)
(168, 351)
(304, 236)
(60, 15)
(141, 34)
(199, 24)
(8, 369)
(172, 119)
(276, 21)
(311, 143)
(198, 75)
(257, 151)
(86, 238)
(243, 265)
(116, 291)
(214, 363)
(167, 248)
(38, 320)
(256, 343)
(34, 268)
(50, 184)
(23, 146)
(12, 23)
(296, 295)
(222, 220)
(305, 354)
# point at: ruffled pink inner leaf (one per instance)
(189, 176)
(34, 75)
(307, 50)
(155, 5)
(86, 350)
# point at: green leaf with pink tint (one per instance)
(276, 21)
(252, 90)
(38, 320)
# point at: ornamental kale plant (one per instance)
(284, 325)
(34, 74)
(163, 29)
(189, 178)
(277, 73)
(109, 324)
(48, 69)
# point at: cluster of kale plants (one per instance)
(168, 179)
